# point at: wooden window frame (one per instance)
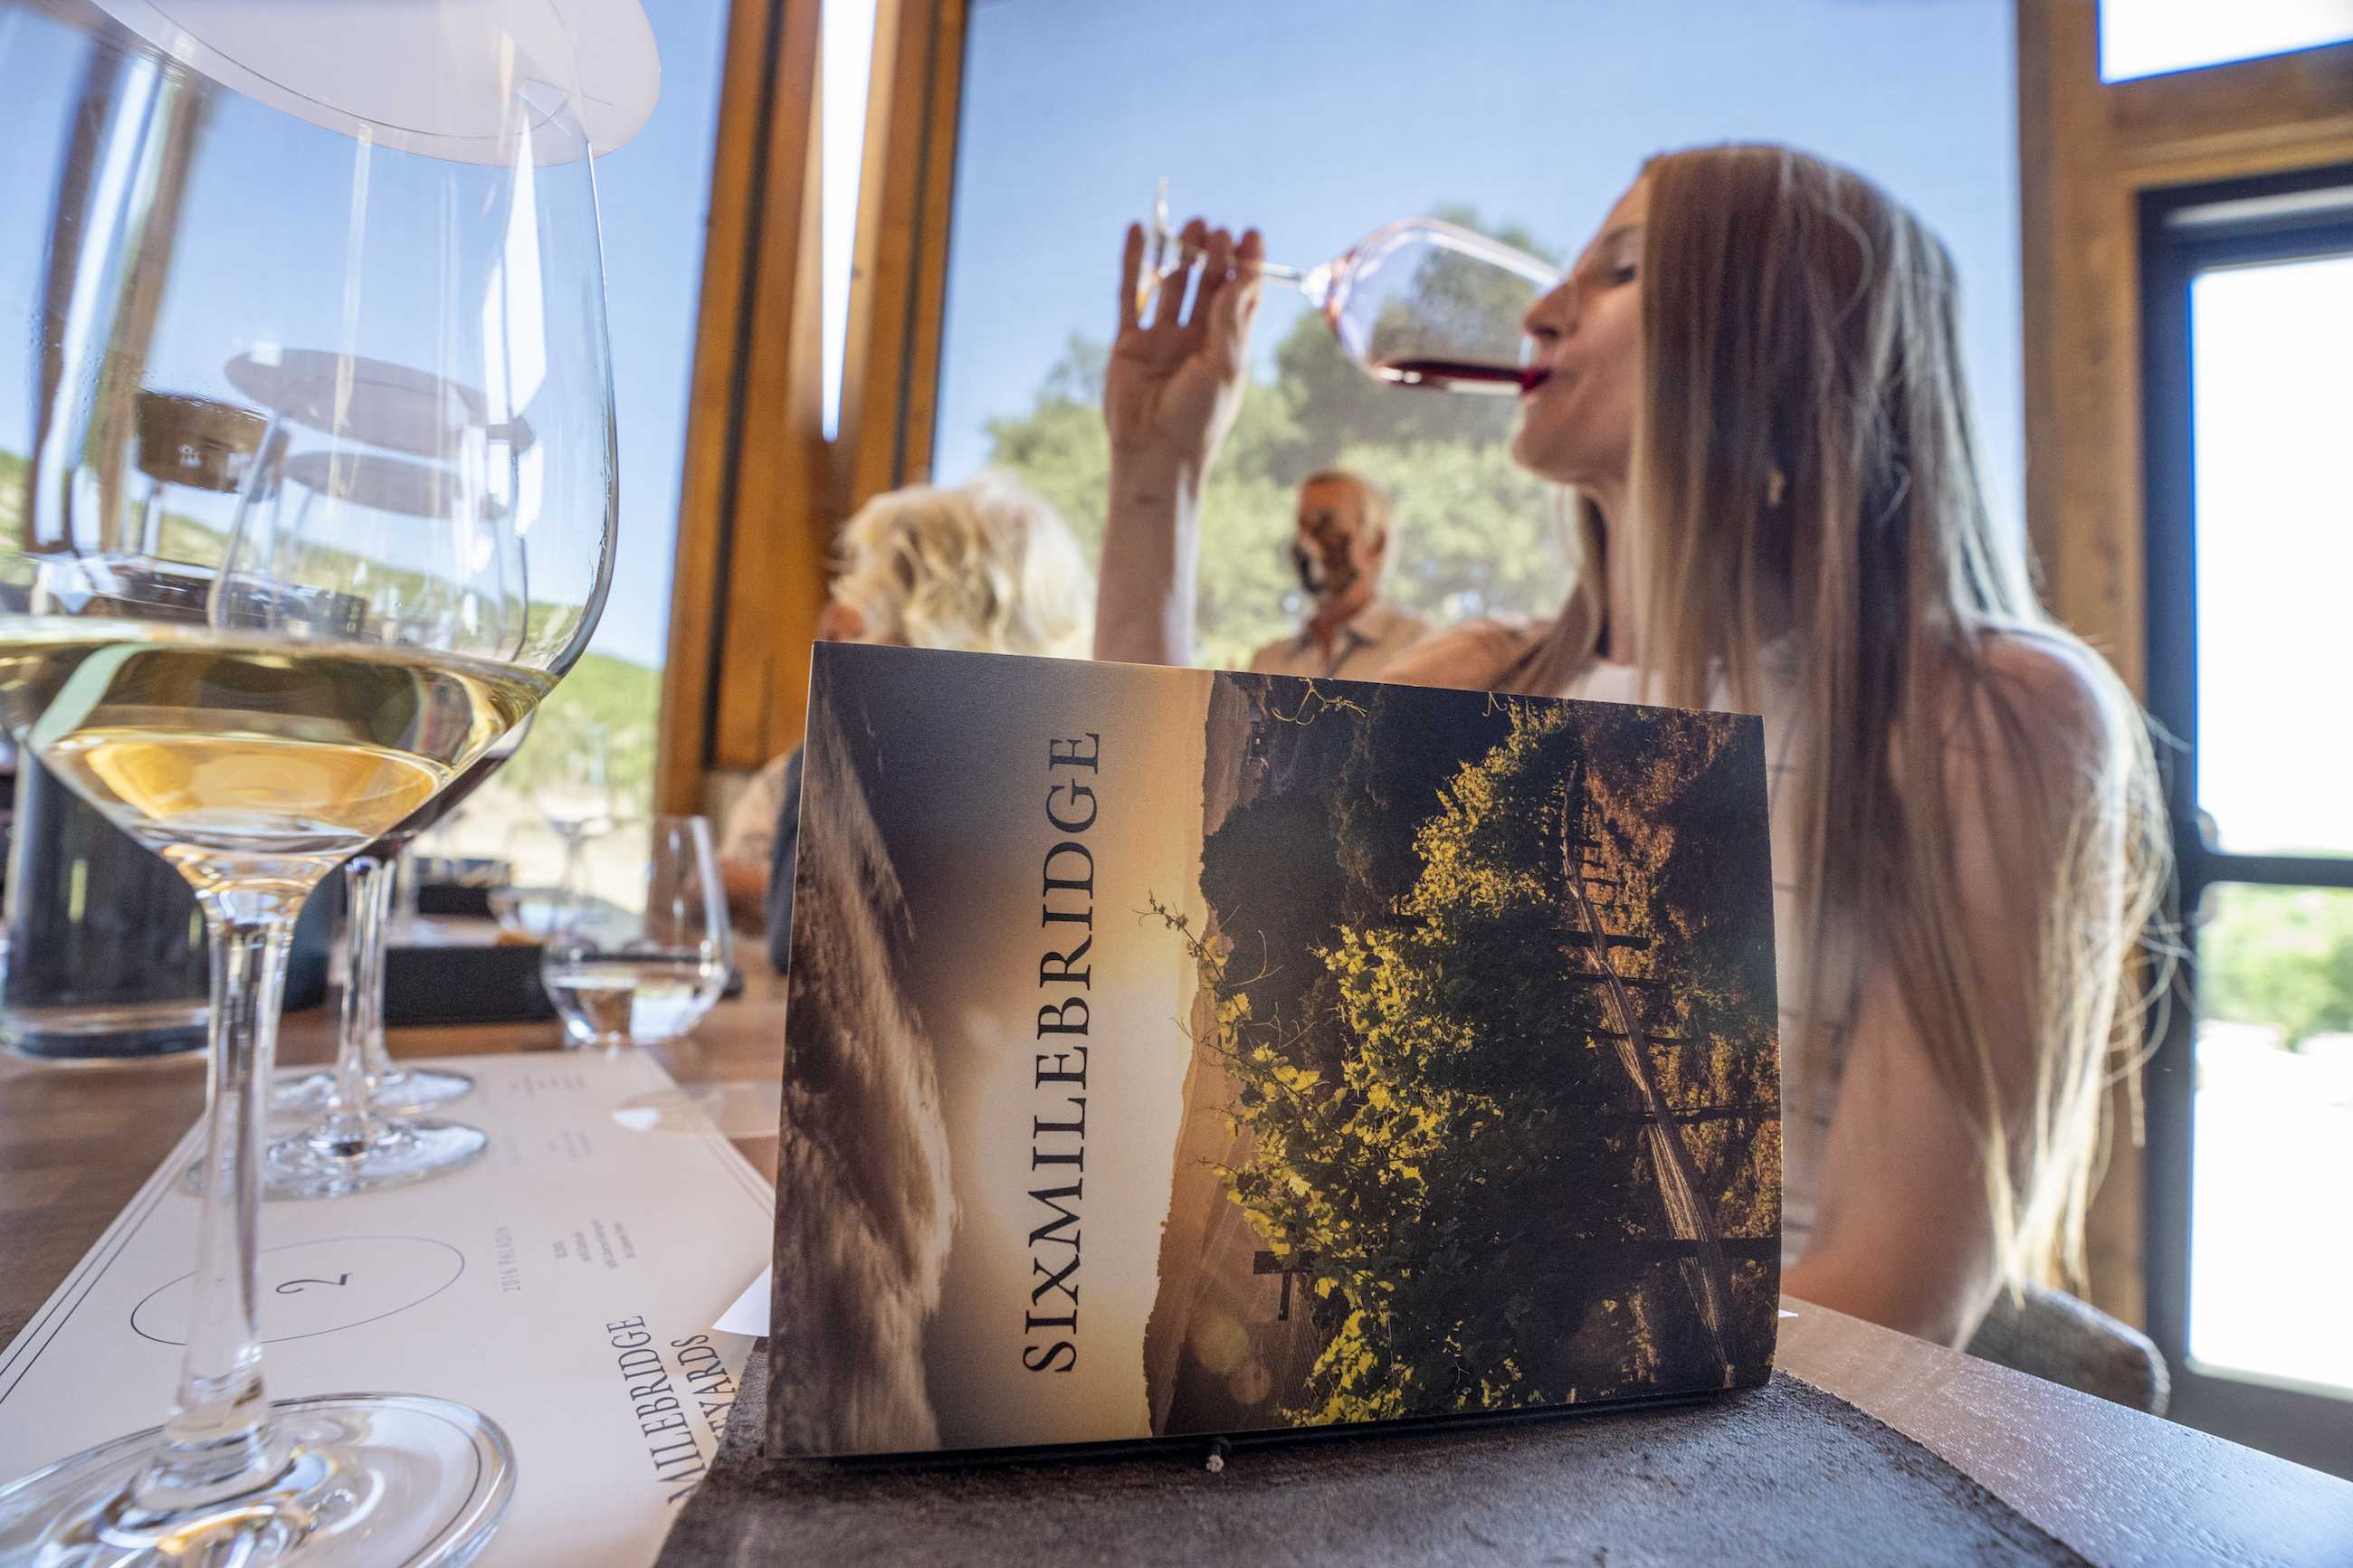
(2088, 153)
(2310, 1426)
(764, 491)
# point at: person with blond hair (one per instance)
(985, 567)
(1751, 379)
(1340, 551)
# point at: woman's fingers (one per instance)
(1237, 303)
(1217, 275)
(1131, 275)
(1172, 288)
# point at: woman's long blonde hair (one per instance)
(1804, 465)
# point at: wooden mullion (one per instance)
(765, 598)
(2080, 278)
(2244, 108)
(927, 323)
(776, 600)
(891, 380)
(747, 88)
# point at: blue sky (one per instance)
(1318, 122)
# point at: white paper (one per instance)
(499, 1285)
(748, 1315)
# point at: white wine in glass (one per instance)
(369, 233)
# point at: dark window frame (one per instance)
(2186, 230)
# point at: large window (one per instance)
(1319, 121)
(2249, 335)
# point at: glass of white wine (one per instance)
(374, 228)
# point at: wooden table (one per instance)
(2117, 1486)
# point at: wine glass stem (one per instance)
(219, 1440)
(575, 867)
(349, 1125)
(403, 867)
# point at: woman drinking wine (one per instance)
(1751, 380)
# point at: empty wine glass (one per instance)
(366, 1134)
(1417, 302)
(644, 971)
(580, 804)
(388, 209)
(374, 878)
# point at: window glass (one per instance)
(2273, 399)
(2147, 37)
(1321, 120)
(2273, 1135)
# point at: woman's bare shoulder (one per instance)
(1472, 656)
(2036, 729)
(2042, 699)
(2052, 678)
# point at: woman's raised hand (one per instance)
(1175, 383)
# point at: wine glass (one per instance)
(643, 971)
(580, 805)
(366, 1134)
(1417, 302)
(390, 210)
(383, 1087)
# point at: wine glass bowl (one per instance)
(319, 505)
(1417, 302)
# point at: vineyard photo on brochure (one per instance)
(1174, 1052)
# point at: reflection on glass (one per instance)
(2272, 1145)
(2272, 347)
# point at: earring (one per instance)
(1776, 482)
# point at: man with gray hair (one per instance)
(1342, 548)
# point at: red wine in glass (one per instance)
(1419, 302)
(1451, 375)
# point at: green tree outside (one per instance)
(2281, 956)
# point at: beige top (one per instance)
(1362, 648)
(1476, 655)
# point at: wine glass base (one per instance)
(404, 1092)
(404, 1151)
(377, 1480)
